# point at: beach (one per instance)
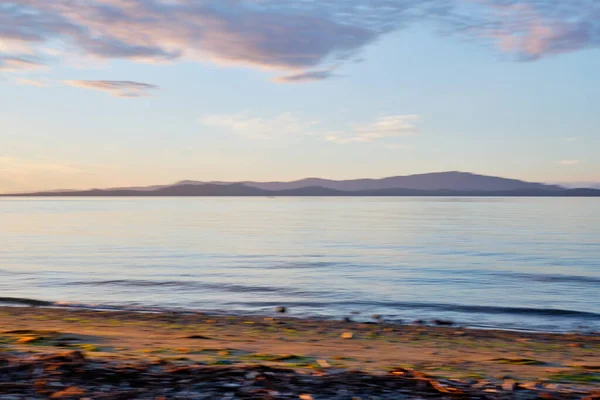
(337, 359)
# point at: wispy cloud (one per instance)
(254, 127)
(569, 162)
(13, 64)
(391, 126)
(125, 89)
(532, 29)
(286, 124)
(31, 82)
(308, 76)
(300, 38)
(571, 139)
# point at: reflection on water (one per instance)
(529, 263)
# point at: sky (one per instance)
(109, 93)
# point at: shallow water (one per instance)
(514, 263)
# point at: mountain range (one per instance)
(574, 185)
(452, 183)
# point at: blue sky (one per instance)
(138, 92)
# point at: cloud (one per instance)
(308, 76)
(125, 89)
(391, 126)
(272, 34)
(254, 127)
(300, 38)
(286, 124)
(13, 64)
(532, 29)
(30, 82)
(571, 139)
(568, 162)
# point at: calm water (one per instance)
(525, 263)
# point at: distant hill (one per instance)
(453, 181)
(236, 189)
(433, 184)
(575, 185)
(243, 190)
(457, 181)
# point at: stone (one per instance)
(27, 339)
(68, 393)
(443, 322)
(509, 385)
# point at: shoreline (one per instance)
(548, 361)
(355, 317)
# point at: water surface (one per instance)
(515, 263)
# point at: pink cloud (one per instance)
(537, 28)
(301, 39)
(568, 162)
(12, 64)
(125, 89)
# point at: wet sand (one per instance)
(567, 365)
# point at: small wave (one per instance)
(110, 307)
(134, 282)
(474, 309)
(12, 272)
(25, 302)
(221, 287)
(514, 310)
(309, 265)
(556, 278)
(520, 276)
(295, 265)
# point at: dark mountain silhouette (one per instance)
(238, 189)
(575, 185)
(432, 181)
(459, 181)
(433, 184)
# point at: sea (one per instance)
(528, 264)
